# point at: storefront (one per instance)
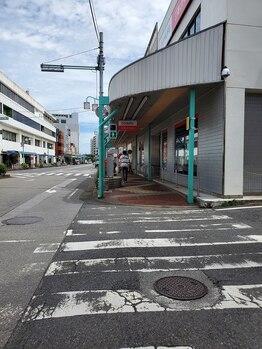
(195, 42)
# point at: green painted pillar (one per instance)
(136, 156)
(192, 107)
(101, 151)
(149, 177)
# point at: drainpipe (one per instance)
(192, 107)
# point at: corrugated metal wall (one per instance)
(253, 144)
(211, 141)
(210, 108)
(194, 60)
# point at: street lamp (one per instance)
(24, 141)
(94, 105)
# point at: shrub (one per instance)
(24, 166)
(3, 169)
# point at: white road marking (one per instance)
(159, 348)
(71, 233)
(95, 302)
(87, 175)
(153, 264)
(50, 191)
(150, 220)
(202, 228)
(47, 248)
(70, 195)
(110, 232)
(238, 208)
(77, 174)
(59, 174)
(68, 174)
(11, 241)
(152, 243)
(50, 174)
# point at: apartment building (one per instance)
(27, 133)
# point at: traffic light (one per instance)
(112, 131)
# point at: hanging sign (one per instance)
(127, 125)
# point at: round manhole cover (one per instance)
(181, 288)
(22, 220)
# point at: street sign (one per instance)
(127, 125)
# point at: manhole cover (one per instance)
(22, 220)
(181, 288)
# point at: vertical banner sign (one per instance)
(173, 22)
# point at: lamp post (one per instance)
(24, 141)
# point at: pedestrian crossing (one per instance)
(128, 251)
(22, 175)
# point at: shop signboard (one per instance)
(127, 125)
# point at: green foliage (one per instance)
(24, 166)
(3, 169)
(230, 203)
(54, 164)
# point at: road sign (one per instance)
(127, 125)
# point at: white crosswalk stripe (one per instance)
(91, 248)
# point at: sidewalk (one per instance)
(139, 191)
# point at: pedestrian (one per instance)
(124, 164)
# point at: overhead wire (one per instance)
(76, 54)
(92, 9)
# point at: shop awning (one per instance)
(9, 152)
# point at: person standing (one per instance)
(124, 164)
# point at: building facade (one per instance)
(94, 144)
(69, 125)
(27, 133)
(196, 41)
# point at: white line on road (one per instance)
(95, 302)
(11, 241)
(202, 228)
(70, 195)
(59, 174)
(47, 248)
(50, 174)
(150, 220)
(70, 232)
(152, 243)
(153, 264)
(77, 174)
(238, 208)
(159, 348)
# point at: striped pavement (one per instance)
(106, 266)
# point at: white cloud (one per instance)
(37, 31)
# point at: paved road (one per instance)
(98, 291)
(51, 196)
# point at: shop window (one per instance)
(164, 150)
(182, 148)
(9, 136)
(37, 143)
(194, 25)
(141, 153)
(63, 121)
(49, 145)
(43, 144)
(1, 109)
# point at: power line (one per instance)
(76, 54)
(92, 9)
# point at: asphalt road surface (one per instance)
(98, 291)
(50, 198)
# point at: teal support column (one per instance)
(103, 100)
(101, 152)
(136, 156)
(149, 154)
(192, 108)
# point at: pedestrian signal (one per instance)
(112, 131)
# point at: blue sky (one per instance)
(38, 31)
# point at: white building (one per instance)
(196, 40)
(69, 124)
(27, 134)
(94, 144)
